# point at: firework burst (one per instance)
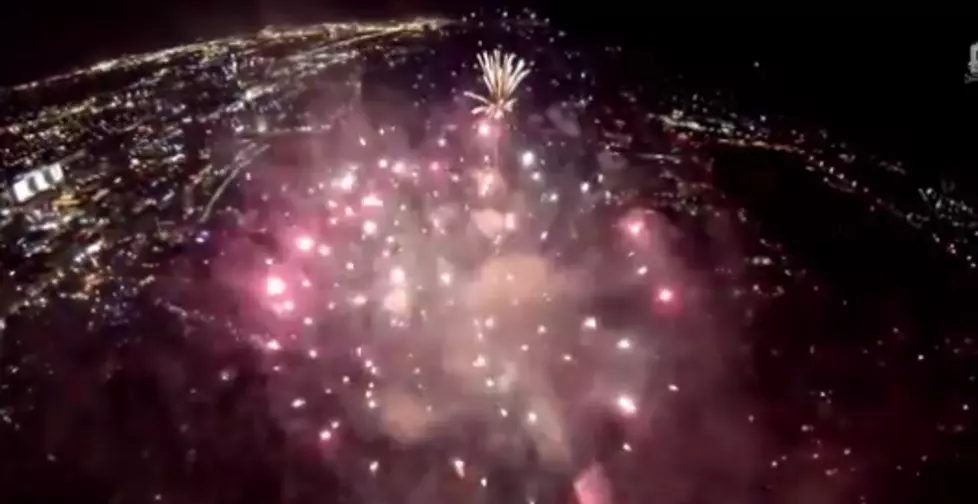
(501, 74)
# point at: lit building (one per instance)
(37, 181)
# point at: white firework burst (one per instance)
(501, 74)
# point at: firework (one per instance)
(501, 74)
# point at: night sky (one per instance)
(896, 90)
(892, 85)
